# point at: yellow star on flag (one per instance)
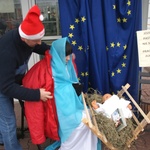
(112, 74)
(118, 20)
(123, 65)
(74, 42)
(129, 12)
(82, 74)
(86, 74)
(129, 3)
(83, 19)
(124, 56)
(72, 27)
(124, 19)
(70, 35)
(80, 48)
(118, 44)
(77, 20)
(112, 44)
(114, 6)
(125, 47)
(118, 70)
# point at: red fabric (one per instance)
(75, 66)
(41, 116)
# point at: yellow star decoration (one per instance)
(80, 48)
(129, 12)
(123, 65)
(112, 44)
(124, 19)
(124, 56)
(86, 74)
(129, 3)
(125, 47)
(74, 42)
(82, 74)
(79, 79)
(112, 74)
(114, 6)
(118, 20)
(83, 19)
(70, 35)
(107, 48)
(118, 44)
(72, 27)
(77, 20)
(118, 70)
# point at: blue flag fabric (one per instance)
(103, 36)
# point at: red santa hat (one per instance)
(32, 27)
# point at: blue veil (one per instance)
(69, 105)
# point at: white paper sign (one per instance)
(143, 39)
(7, 6)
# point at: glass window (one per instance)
(10, 15)
(50, 11)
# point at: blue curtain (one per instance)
(103, 36)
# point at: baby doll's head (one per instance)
(105, 97)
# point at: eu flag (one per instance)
(103, 36)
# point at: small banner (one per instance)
(143, 39)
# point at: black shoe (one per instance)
(1, 144)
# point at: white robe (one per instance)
(81, 138)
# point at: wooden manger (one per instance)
(91, 122)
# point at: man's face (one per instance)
(32, 43)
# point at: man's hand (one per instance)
(45, 95)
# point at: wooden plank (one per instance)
(138, 130)
(136, 105)
(121, 92)
(87, 112)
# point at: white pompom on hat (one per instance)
(32, 27)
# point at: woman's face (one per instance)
(68, 58)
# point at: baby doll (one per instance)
(110, 103)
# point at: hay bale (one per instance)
(117, 139)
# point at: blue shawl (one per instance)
(69, 105)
